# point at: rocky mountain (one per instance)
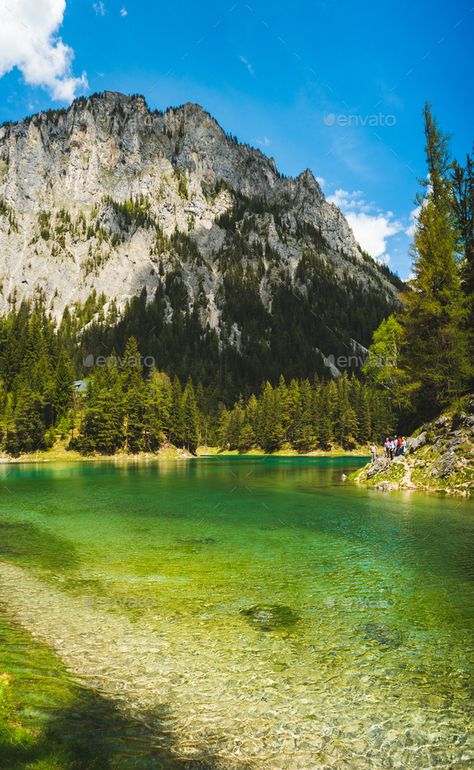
(111, 198)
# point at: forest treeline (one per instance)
(125, 406)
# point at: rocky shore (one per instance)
(440, 457)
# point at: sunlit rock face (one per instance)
(110, 196)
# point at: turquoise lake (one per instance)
(249, 612)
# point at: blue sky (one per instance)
(334, 86)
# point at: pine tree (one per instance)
(157, 411)
(190, 418)
(133, 397)
(176, 434)
(346, 426)
(246, 438)
(463, 187)
(324, 426)
(270, 429)
(305, 433)
(63, 387)
(27, 431)
(234, 427)
(361, 406)
(292, 420)
(102, 428)
(223, 429)
(434, 350)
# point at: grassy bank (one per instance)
(60, 453)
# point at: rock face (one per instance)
(440, 457)
(108, 196)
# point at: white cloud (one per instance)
(264, 142)
(371, 226)
(372, 231)
(410, 230)
(248, 64)
(123, 12)
(321, 181)
(99, 8)
(29, 41)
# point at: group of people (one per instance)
(393, 447)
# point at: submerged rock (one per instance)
(195, 540)
(270, 617)
(385, 636)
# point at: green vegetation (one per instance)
(131, 406)
(305, 416)
(7, 212)
(200, 385)
(132, 213)
(421, 357)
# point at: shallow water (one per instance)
(262, 612)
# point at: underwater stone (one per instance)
(385, 636)
(195, 540)
(270, 617)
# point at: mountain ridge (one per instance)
(112, 198)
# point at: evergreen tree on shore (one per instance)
(420, 355)
(434, 342)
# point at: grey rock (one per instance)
(454, 442)
(379, 466)
(111, 148)
(418, 442)
(445, 465)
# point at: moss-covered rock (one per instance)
(440, 457)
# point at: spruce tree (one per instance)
(63, 387)
(463, 187)
(176, 417)
(190, 418)
(133, 397)
(102, 428)
(434, 349)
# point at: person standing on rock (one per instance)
(393, 447)
(373, 452)
(386, 446)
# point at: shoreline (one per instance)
(167, 452)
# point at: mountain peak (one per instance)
(109, 196)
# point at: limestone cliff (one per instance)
(109, 196)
